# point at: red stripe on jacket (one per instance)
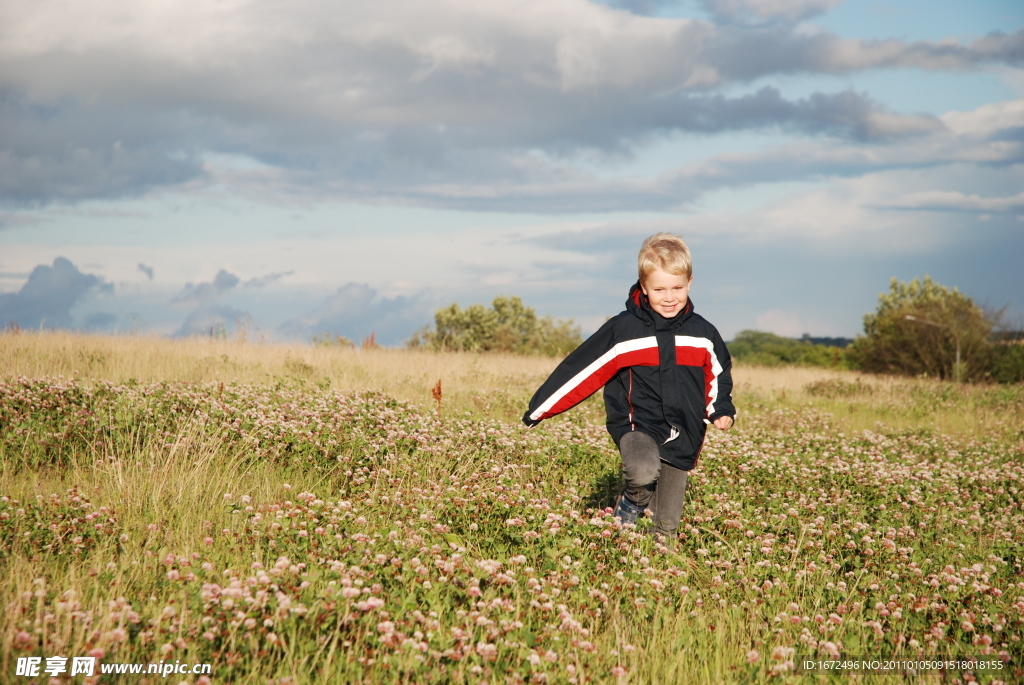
(698, 356)
(590, 385)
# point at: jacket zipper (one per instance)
(629, 399)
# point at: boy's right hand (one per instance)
(724, 423)
(530, 423)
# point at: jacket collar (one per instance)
(638, 304)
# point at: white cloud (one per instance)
(200, 293)
(356, 311)
(987, 119)
(818, 255)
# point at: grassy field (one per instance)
(495, 385)
(313, 515)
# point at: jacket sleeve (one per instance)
(720, 380)
(577, 377)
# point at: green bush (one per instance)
(1007, 363)
(507, 326)
(768, 349)
(917, 330)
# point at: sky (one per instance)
(282, 170)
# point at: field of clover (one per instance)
(296, 535)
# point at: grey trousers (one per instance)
(652, 483)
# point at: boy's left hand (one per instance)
(724, 423)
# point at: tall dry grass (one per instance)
(860, 401)
(493, 384)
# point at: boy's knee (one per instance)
(641, 460)
(642, 474)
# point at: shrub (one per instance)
(507, 326)
(1007, 363)
(917, 329)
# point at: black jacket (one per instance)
(669, 378)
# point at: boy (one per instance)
(666, 375)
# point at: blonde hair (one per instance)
(667, 252)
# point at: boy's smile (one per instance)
(666, 292)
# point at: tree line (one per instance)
(920, 328)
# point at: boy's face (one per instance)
(666, 292)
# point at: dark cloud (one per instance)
(847, 114)
(260, 281)
(199, 293)
(356, 310)
(444, 108)
(557, 183)
(746, 54)
(148, 270)
(46, 299)
(72, 150)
